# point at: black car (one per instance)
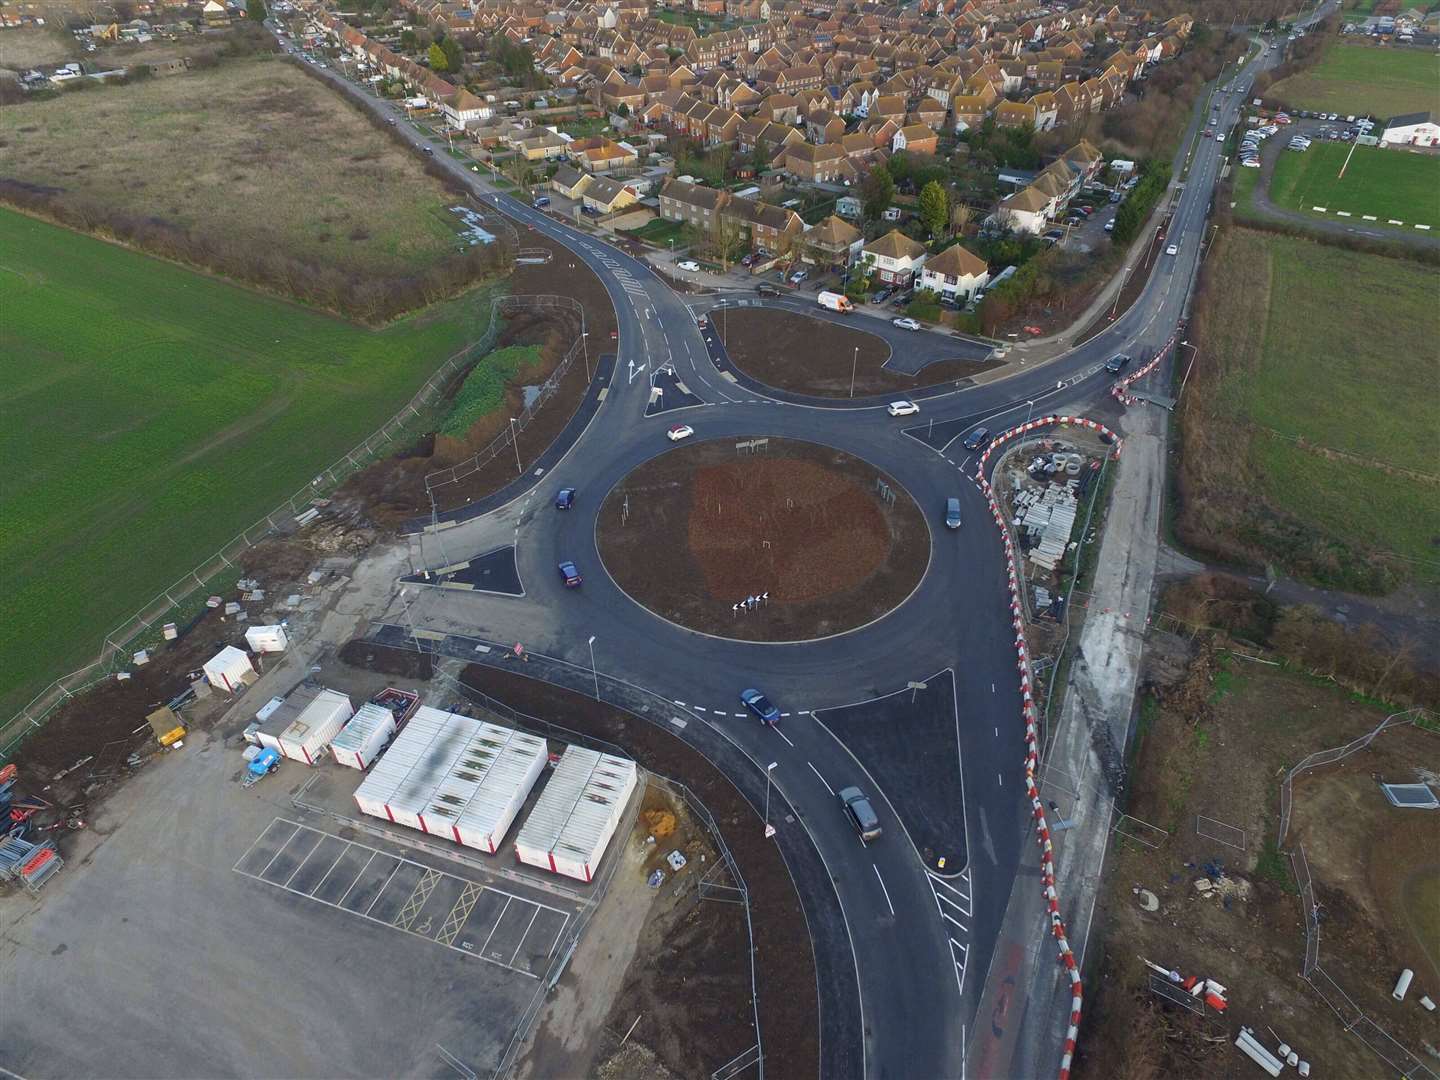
(1117, 363)
(977, 439)
(565, 499)
(880, 297)
(766, 290)
(861, 814)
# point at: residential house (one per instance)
(570, 182)
(464, 107)
(826, 164)
(916, 138)
(834, 243)
(696, 206)
(542, 145)
(607, 196)
(895, 258)
(598, 154)
(955, 274)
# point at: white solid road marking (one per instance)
(681, 704)
(882, 888)
(787, 741)
(821, 778)
(1001, 778)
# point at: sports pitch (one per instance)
(1384, 82)
(1388, 185)
(151, 414)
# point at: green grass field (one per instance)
(1389, 184)
(659, 232)
(1349, 344)
(150, 415)
(1385, 82)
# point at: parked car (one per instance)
(570, 575)
(748, 260)
(760, 706)
(880, 297)
(952, 513)
(861, 814)
(679, 431)
(542, 201)
(690, 266)
(1117, 363)
(390, 120)
(905, 323)
(977, 439)
(798, 276)
(428, 149)
(564, 498)
(902, 408)
(1110, 225)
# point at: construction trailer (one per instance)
(364, 736)
(577, 813)
(454, 776)
(302, 726)
(229, 669)
(267, 639)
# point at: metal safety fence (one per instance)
(145, 623)
(502, 442)
(1351, 1015)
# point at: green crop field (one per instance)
(151, 414)
(1385, 82)
(1329, 359)
(1388, 184)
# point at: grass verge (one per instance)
(484, 388)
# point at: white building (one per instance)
(452, 776)
(955, 274)
(1413, 129)
(577, 813)
(895, 258)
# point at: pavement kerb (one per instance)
(1042, 828)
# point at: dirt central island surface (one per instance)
(825, 540)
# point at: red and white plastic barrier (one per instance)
(1121, 390)
(1031, 716)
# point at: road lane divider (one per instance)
(1031, 714)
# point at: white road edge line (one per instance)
(821, 779)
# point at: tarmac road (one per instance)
(912, 959)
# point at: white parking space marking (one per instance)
(455, 898)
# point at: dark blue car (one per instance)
(763, 708)
(570, 575)
(565, 499)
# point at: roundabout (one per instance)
(773, 540)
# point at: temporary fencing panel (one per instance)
(454, 776)
(362, 739)
(577, 813)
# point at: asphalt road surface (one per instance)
(909, 959)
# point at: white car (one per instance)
(1173, 249)
(905, 324)
(902, 408)
(679, 431)
(1251, 163)
(690, 266)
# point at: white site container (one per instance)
(229, 669)
(577, 813)
(308, 735)
(453, 776)
(361, 740)
(267, 639)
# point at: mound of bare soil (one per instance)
(697, 530)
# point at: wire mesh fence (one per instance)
(1215, 829)
(502, 442)
(1321, 758)
(145, 623)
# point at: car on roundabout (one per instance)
(760, 706)
(679, 431)
(977, 439)
(902, 408)
(906, 323)
(564, 498)
(861, 814)
(570, 574)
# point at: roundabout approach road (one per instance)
(906, 963)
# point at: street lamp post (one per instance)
(1029, 410)
(769, 829)
(855, 363)
(515, 438)
(1194, 352)
(595, 674)
(585, 345)
(410, 618)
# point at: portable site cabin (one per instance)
(577, 813)
(229, 669)
(310, 733)
(453, 776)
(361, 740)
(267, 639)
